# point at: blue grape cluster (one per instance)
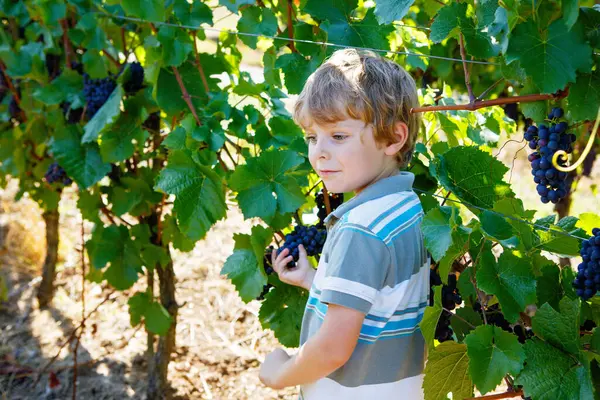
(55, 173)
(311, 237)
(136, 78)
(96, 92)
(450, 299)
(587, 281)
(268, 270)
(335, 200)
(547, 140)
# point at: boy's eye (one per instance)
(339, 137)
(310, 139)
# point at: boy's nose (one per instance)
(321, 149)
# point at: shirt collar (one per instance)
(396, 183)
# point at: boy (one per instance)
(360, 337)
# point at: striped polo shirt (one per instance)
(374, 261)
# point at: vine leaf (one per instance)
(256, 20)
(431, 316)
(176, 45)
(282, 312)
(156, 318)
(82, 162)
(264, 186)
(552, 56)
(445, 236)
(590, 19)
(193, 14)
(453, 18)
(549, 289)
(388, 11)
(244, 267)
(105, 117)
(561, 329)
(447, 371)
(172, 234)
(588, 221)
(152, 10)
(510, 279)
(551, 374)
(113, 245)
(584, 97)
(493, 353)
(472, 175)
(200, 196)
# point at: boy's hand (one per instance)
(271, 367)
(302, 275)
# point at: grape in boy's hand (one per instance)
(302, 275)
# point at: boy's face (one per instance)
(344, 161)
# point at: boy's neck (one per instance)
(386, 173)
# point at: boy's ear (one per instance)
(401, 136)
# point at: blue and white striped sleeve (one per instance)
(356, 269)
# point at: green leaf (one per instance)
(584, 97)
(282, 312)
(453, 18)
(82, 162)
(588, 221)
(200, 198)
(244, 269)
(495, 226)
(550, 374)
(60, 89)
(358, 33)
(157, 319)
(138, 304)
(558, 243)
(256, 20)
(459, 326)
(549, 289)
(176, 139)
(493, 353)
(590, 19)
(388, 11)
(431, 316)
(94, 64)
(445, 236)
(193, 14)
(561, 329)
(233, 5)
(264, 186)
(447, 371)
(510, 279)
(472, 175)
(570, 9)
(105, 117)
(551, 57)
(117, 140)
(297, 68)
(89, 203)
(150, 10)
(176, 45)
(331, 10)
(172, 234)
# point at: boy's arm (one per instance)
(326, 351)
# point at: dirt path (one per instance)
(220, 342)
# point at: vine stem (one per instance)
(505, 395)
(199, 65)
(489, 103)
(186, 96)
(111, 58)
(326, 199)
(463, 56)
(8, 81)
(124, 42)
(67, 43)
(290, 26)
(75, 365)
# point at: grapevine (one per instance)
(587, 282)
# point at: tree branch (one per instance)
(67, 43)
(186, 96)
(200, 69)
(489, 103)
(111, 58)
(326, 199)
(8, 81)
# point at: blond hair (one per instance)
(363, 86)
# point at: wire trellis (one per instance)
(195, 28)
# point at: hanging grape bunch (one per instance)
(546, 141)
(450, 299)
(335, 200)
(494, 316)
(96, 92)
(268, 270)
(55, 173)
(587, 281)
(136, 77)
(311, 237)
